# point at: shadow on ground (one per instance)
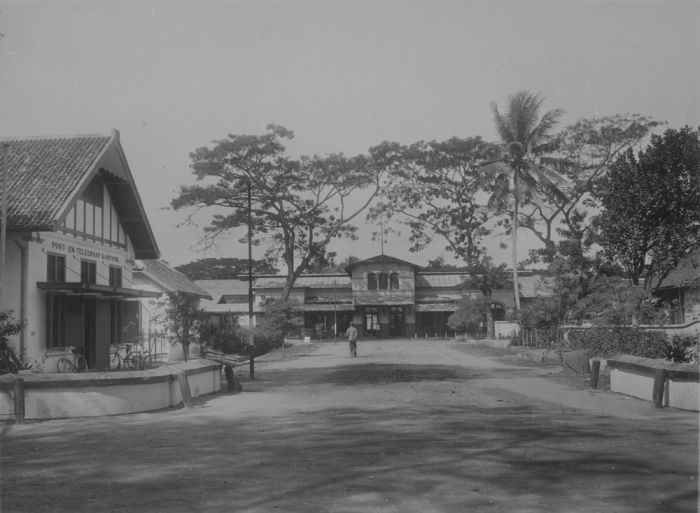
(402, 458)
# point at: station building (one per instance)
(382, 296)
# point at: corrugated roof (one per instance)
(686, 274)
(312, 281)
(382, 259)
(535, 286)
(221, 290)
(218, 288)
(430, 280)
(46, 174)
(170, 279)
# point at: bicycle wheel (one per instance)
(140, 362)
(65, 365)
(115, 361)
(130, 362)
(81, 363)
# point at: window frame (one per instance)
(394, 281)
(55, 268)
(88, 272)
(383, 281)
(116, 276)
(372, 282)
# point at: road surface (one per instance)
(408, 426)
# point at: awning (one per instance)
(326, 307)
(93, 289)
(436, 307)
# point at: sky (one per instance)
(343, 75)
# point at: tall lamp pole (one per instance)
(251, 338)
(3, 225)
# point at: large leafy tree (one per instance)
(519, 174)
(582, 153)
(650, 203)
(436, 188)
(298, 206)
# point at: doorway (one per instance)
(396, 321)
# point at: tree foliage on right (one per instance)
(650, 216)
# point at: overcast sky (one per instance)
(343, 75)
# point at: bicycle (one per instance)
(74, 361)
(127, 357)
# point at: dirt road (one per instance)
(408, 426)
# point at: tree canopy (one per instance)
(581, 153)
(650, 216)
(436, 188)
(298, 206)
(525, 133)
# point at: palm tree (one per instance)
(525, 135)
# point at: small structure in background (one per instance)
(680, 288)
(157, 331)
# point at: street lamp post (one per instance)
(3, 225)
(251, 338)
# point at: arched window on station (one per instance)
(383, 281)
(371, 281)
(394, 281)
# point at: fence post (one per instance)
(595, 370)
(19, 399)
(657, 394)
(184, 389)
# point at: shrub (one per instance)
(543, 313)
(235, 341)
(470, 315)
(609, 342)
(682, 349)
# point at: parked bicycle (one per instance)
(129, 356)
(74, 361)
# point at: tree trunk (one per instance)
(490, 328)
(185, 351)
(516, 200)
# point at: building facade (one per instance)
(382, 296)
(75, 227)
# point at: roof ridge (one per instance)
(54, 137)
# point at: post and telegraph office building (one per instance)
(75, 227)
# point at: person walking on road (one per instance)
(351, 333)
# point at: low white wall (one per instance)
(94, 394)
(632, 384)
(634, 376)
(505, 329)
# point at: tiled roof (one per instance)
(46, 174)
(43, 173)
(170, 279)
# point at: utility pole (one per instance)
(251, 338)
(3, 225)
